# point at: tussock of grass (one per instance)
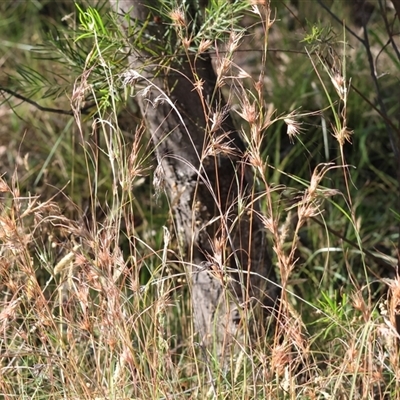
(95, 297)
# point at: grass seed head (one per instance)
(204, 45)
(178, 18)
(342, 135)
(293, 126)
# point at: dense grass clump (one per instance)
(95, 295)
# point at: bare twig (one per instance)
(395, 141)
(335, 17)
(84, 110)
(396, 4)
(388, 29)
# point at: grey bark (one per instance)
(204, 190)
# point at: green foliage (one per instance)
(318, 35)
(221, 18)
(115, 322)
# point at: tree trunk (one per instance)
(202, 161)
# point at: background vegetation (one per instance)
(94, 297)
